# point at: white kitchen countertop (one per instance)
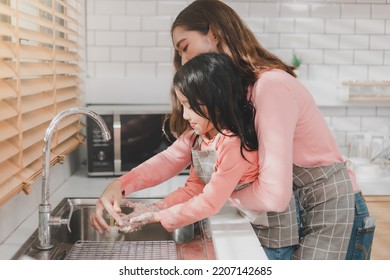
(233, 236)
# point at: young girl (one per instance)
(211, 97)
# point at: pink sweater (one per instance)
(291, 130)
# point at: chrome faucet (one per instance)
(45, 219)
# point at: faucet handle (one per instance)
(70, 214)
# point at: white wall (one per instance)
(129, 47)
(337, 40)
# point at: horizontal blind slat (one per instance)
(7, 111)
(7, 150)
(7, 131)
(7, 89)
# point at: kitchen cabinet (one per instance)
(379, 207)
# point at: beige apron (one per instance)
(204, 165)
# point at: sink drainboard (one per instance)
(123, 250)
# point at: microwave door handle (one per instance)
(117, 144)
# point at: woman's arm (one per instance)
(231, 169)
(276, 117)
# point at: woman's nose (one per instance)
(184, 60)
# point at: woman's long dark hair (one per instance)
(214, 89)
(235, 39)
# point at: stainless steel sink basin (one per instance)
(82, 237)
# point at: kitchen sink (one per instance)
(81, 241)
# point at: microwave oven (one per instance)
(137, 135)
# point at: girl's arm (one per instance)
(159, 168)
(230, 170)
(152, 172)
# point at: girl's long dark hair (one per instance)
(214, 89)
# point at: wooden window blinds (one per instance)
(39, 77)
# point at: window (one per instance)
(39, 77)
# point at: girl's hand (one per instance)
(139, 207)
(110, 200)
(137, 222)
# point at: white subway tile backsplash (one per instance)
(337, 40)
(375, 124)
(98, 22)
(324, 41)
(170, 7)
(380, 11)
(141, 39)
(242, 9)
(379, 73)
(110, 7)
(90, 38)
(354, 42)
(110, 69)
(322, 72)
(110, 38)
(333, 111)
(379, 42)
(264, 10)
(353, 73)
(125, 54)
(363, 57)
(126, 23)
(140, 70)
(268, 41)
(383, 111)
(368, 27)
(372, 1)
(165, 70)
(294, 10)
(338, 57)
(164, 39)
(340, 26)
(355, 11)
(347, 124)
(293, 41)
(311, 56)
(325, 10)
(157, 23)
(387, 58)
(255, 24)
(160, 54)
(98, 54)
(309, 25)
(279, 25)
(141, 7)
(362, 111)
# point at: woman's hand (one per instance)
(110, 200)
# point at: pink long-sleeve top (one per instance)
(197, 200)
(291, 130)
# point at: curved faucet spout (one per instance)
(44, 207)
(49, 134)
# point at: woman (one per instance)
(294, 140)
